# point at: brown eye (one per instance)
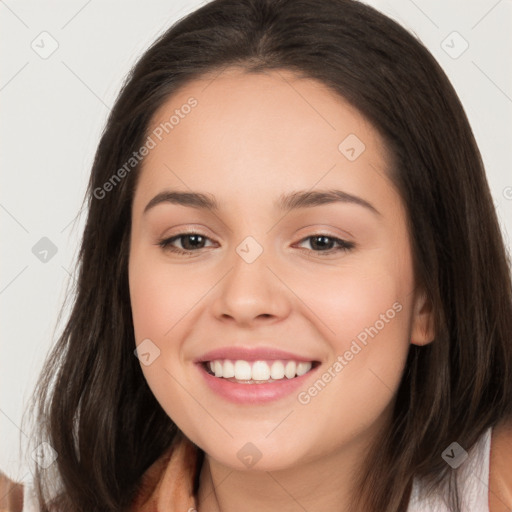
(190, 242)
(323, 243)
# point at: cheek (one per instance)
(160, 296)
(354, 303)
(367, 309)
(356, 299)
(151, 302)
(369, 349)
(157, 310)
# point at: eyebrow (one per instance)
(286, 202)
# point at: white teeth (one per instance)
(258, 370)
(242, 370)
(277, 370)
(228, 369)
(217, 365)
(290, 369)
(303, 368)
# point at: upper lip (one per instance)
(251, 354)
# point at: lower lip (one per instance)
(254, 393)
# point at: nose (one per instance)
(251, 293)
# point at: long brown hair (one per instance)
(94, 406)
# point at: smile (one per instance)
(257, 372)
(256, 382)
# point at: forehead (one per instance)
(261, 133)
(254, 108)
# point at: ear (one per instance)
(422, 328)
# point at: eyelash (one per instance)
(343, 245)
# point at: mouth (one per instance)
(258, 372)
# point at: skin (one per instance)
(251, 138)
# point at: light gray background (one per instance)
(53, 111)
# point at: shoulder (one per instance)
(500, 468)
(11, 495)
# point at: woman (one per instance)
(290, 224)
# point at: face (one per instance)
(276, 270)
